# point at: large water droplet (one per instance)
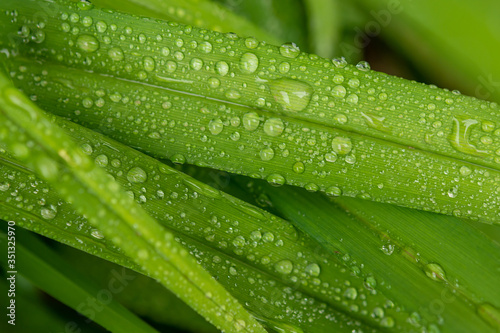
(87, 43)
(298, 167)
(149, 64)
(137, 175)
(249, 63)
(196, 64)
(460, 134)
(49, 213)
(292, 95)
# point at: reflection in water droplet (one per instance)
(116, 54)
(339, 91)
(292, 95)
(460, 134)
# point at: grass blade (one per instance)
(200, 13)
(383, 133)
(429, 255)
(324, 26)
(43, 146)
(49, 272)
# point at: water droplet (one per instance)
(249, 63)
(205, 47)
(313, 269)
(289, 50)
(233, 94)
(101, 160)
(215, 126)
(87, 43)
(351, 293)
(370, 282)
(221, 68)
(284, 267)
(353, 83)
(178, 159)
(196, 64)
(311, 187)
(284, 67)
(460, 134)
(331, 157)
(149, 64)
(341, 145)
(435, 272)
(87, 149)
(48, 213)
(274, 127)
(96, 234)
(388, 249)
(339, 91)
(363, 66)
(251, 43)
(333, 191)
(251, 121)
(338, 78)
(352, 99)
(487, 126)
(298, 167)
(465, 171)
(268, 237)
(116, 54)
(276, 179)
(376, 122)
(387, 322)
(292, 95)
(378, 312)
(202, 188)
(101, 26)
(213, 82)
(255, 235)
(266, 154)
(137, 175)
(239, 241)
(489, 314)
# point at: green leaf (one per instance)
(200, 13)
(39, 144)
(397, 249)
(456, 49)
(49, 272)
(324, 126)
